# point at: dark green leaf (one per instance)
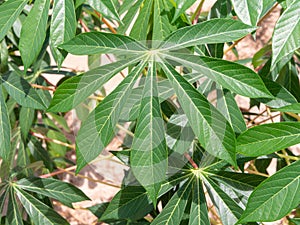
(148, 157)
(21, 91)
(99, 42)
(4, 128)
(38, 211)
(209, 32)
(14, 215)
(9, 12)
(26, 118)
(63, 27)
(64, 192)
(76, 89)
(268, 138)
(275, 197)
(212, 129)
(98, 129)
(33, 32)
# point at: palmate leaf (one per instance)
(62, 28)
(212, 129)
(148, 157)
(209, 32)
(293, 108)
(105, 7)
(285, 38)
(199, 212)
(181, 7)
(232, 76)
(14, 215)
(4, 128)
(275, 197)
(99, 42)
(173, 212)
(76, 89)
(33, 32)
(228, 210)
(98, 129)
(64, 192)
(248, 11)
(268, 138)
(9, 12)
(21, 91)
(38, 211)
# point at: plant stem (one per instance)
(289, 157)
(46, 88)
(197, 13)
(192, 162)
(41, 136)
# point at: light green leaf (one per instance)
(227, 105)
(140, 27)
(105, 7)
(286, 34)
(161, 24)
(98, 129)
(21, 91)
(14, 215)
(173, 212)
(181, 7)
(62, 28)
(9, 11)
(148, 157)
(33, 32)
(27, 115)
(4, 128)
(296, 221)
(228, 210)
(275, 197)
(293, 108)
(268, 138)
(209, 32)
(38, 211)
(232, 76)
(131, 203)
(76, 89)
(212, 129)
(64, 192)
(198, 213)
(98, 42)
(248, 11)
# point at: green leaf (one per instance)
(161, 24)
(98, 129)
(9, 11)
(212, 129)
(285, 38)
(209, 32)
(64, 192)
(227, 105)
(75, 90)
(33, 32)
(173, 212)
(140, 27)
(179, 135)
(248, 11)
(181, 7)
(99, 42)
(38, 211)
(131, 203)
(232, 76)
(293, 108)
(4, 128)
(105, 7)
(21, 91)
(14, 215)
(268, 138)
(275, 197)
(62, 28)
(296, 221)
(198, 213)
(228, 210)
(148, 157)
(27, 115)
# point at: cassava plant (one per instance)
(192, 158)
